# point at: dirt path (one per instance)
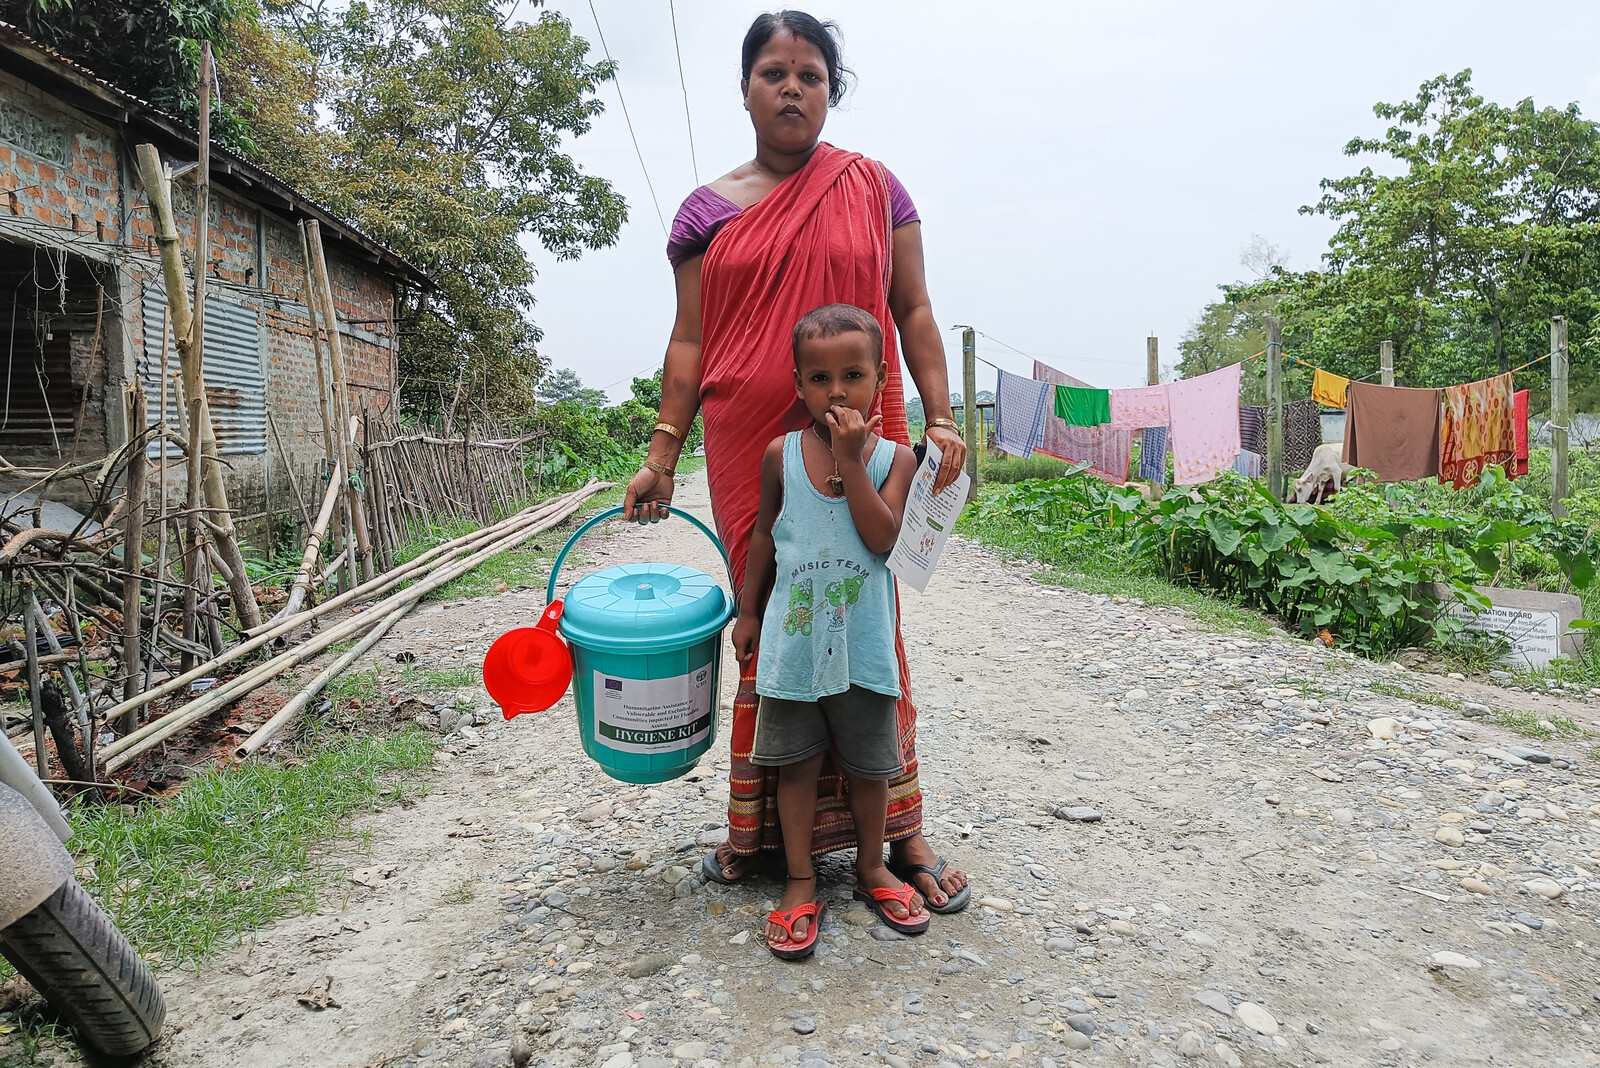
(1261, 879)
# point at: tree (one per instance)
(565, 385)
(1488, 225)
(446, 120)
(147, 48)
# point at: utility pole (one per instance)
(1152, 362)
(1274, 359)
(1560, 416)
(1386, 362)
(969, 386)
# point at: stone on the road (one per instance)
(1256, 1018)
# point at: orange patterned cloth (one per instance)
(1478, 430)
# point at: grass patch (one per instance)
(1543, 728)
(1421, 697)
(1007, 469)
(462, 891)
(448, 679)
(362, 685)
(241, 846)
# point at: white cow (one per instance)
(1327, 465)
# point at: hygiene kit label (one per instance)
(653, 715)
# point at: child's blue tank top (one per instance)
(830, 620)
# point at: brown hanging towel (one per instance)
(1392, 431)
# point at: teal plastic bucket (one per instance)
(646, 644)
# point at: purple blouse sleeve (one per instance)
(697, 222)
(901, 210)
(705, 211)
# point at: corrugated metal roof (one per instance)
(236, 389)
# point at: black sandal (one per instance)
(906, 873)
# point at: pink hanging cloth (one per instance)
(1140, 407)
(1205, 425)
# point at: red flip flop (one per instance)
(797, 949)
(878, 895)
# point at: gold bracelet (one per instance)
(670, 429)
(659, 468)
(949, 424)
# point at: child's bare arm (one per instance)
(897, 487)
(875, 512)
(762, 559)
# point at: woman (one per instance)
(800, 225)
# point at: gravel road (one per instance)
(1188, 847)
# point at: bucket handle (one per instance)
(609, 513)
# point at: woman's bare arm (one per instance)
(650, 491)
(923, 347)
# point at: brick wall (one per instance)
(63, 184)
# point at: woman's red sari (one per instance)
(822, 236)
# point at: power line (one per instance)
(1053, 355)
(623, 101)
(693, 162)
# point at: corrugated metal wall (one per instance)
(235, 386)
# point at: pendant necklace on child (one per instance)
(835, 480)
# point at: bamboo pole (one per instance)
(161, 523)
(1560, 417)
(283, 454)
(341, 396)
(132, 554)
(367, 590)
(313, 551)
(30, 637)
(316, 348)
(125, 750)
(202, 438)
(297, 704)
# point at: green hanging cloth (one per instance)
(1083, 407)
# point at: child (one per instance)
(831, 500)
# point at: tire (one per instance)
(75, 957)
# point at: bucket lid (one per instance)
(642, 608)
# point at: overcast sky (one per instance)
(1087, 174)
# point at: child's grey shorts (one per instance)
(859, 723)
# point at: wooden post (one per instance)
(341, 398)
(1274, 360)
(1560, 417)
(969, 387)
(202, 215)
(202, 436)
(132, 552)
(1152, 362)
(1386, 363)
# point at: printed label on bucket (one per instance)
(652, 715)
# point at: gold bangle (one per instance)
(659, 468)
(949, 424)
(670, 429)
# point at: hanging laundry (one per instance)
(1519, 426)
(1328, 388)
(1205, 425)
(1143, 406)
(1249, 464)
(1083, 407)
(1253, 428)
(1153, 455)
(1392, 431)
(1104, 449)
(1302, 433)
(1479, 430)
(1020, 408)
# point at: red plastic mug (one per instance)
(528, 669)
